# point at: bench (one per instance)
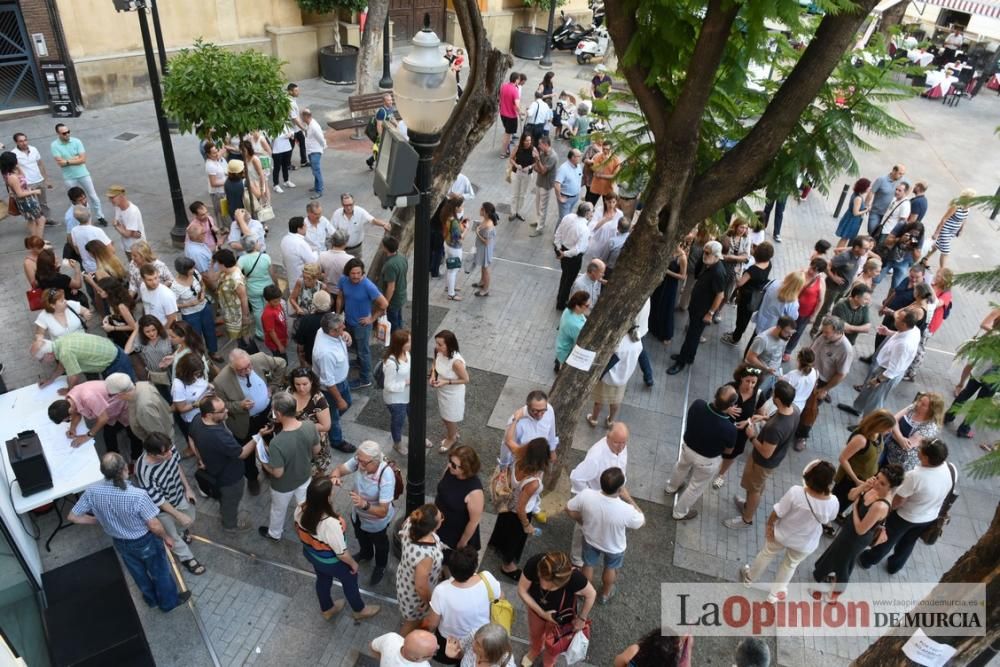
(362, 108)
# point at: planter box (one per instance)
(528, 44)
(338, 68)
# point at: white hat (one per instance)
(600, 68)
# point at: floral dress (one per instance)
(321, 462)
(411, 606)
(229, 304)
(910, 428)
(29, 207)
(305, 300)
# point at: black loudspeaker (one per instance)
(28, 461)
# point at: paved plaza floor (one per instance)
(256, 604)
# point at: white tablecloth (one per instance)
(73, 469)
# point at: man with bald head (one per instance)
(591, 280)
(196, 249)
(709, 435)
(608, 452)
(415, 650)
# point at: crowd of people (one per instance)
(260, 411)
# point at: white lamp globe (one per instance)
(424, 88)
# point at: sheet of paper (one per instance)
(261, 449)
(581, 358)
(925, 651)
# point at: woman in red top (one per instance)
(943, 280)
(810, 298)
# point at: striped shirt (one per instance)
(122, 513)
(84, 353)
(162, 481)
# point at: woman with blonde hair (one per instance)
(869, 272)
(916, 424)
(108, 264)
(300, 300)
(950, 227)
(141, 253)
(780, 298)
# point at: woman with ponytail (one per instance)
(419, 566)
(486, 240)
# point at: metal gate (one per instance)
(19, 82)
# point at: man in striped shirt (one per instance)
(160, 474)
(128, 516)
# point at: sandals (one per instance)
(480, 292)
(592, 421)
(608, 422)
(193, 566)
(186, 536)
(454, 297)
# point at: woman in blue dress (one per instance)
(857, 209)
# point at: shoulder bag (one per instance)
(936, 528)
(500, 492)
(397, 490)
(35, 298)
(501, 610)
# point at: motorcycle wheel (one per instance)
(582, 58)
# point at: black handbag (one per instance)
(206, 482)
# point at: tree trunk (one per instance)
(678, 196)
(892, 17)
(472, 117)
(337, 47)
(980, 564)
(371, 43)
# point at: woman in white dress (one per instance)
(59, 316)
(449, 376)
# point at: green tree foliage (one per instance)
(230, 93)
(540, 6)
(331, 6)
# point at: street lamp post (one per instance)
(546, 60)
(386, 82)
(425, 96)
(179, 230)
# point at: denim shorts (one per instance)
(592, 557)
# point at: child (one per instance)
(820, 249)
(803, 378)
(273, 322)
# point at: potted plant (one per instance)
(337, 62)
(529, 41)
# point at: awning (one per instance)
(980, 7)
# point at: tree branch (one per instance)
(739, 170)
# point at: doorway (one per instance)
(408, 18)
(20, 85)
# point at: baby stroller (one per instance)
(564, 116)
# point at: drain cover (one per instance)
(126, 136)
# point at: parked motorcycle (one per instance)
(568, 35)
(595, 46)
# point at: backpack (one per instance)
(397, 490)
(501, 610)
(371, 130)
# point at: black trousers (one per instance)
(696, 326)
(570, 270)
(901, 537)
(743, 314)
(257, 422)
(300, 139)
(972, 387)
(282, 161)
(376, 544)
(509, 537)
(110, 433)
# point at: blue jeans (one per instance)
(204, 323)
(900, 271)
(121, 364)
(326, 573)
(646, 367)
(397, 417)
(93, 201)
(395, 316)
(336, 434)
(361, 335)
(317, 171)
(146, 560)
(779, 213)
(566, 207)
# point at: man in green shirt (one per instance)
(80, 353)
(71, 157)
(854, 311)
(289, 461)
(392, 281)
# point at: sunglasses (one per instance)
(453, 465)
(64, 134)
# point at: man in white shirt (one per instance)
(83, 234)
(334, 260)
(571, 240)
(534, 419)
(590, 281)
(216, 170)
(128, 218)
(315, 145)
(915, 506)
(157, 300)
(318, 227)
(605, 515)
(890, 364)
(331, 365)
(33, 168)
(295, 250)
(539, 115)
(243, 226)
(295, 121)
(897, 212)
(416, 650)
(610, 451)
(352, 219)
